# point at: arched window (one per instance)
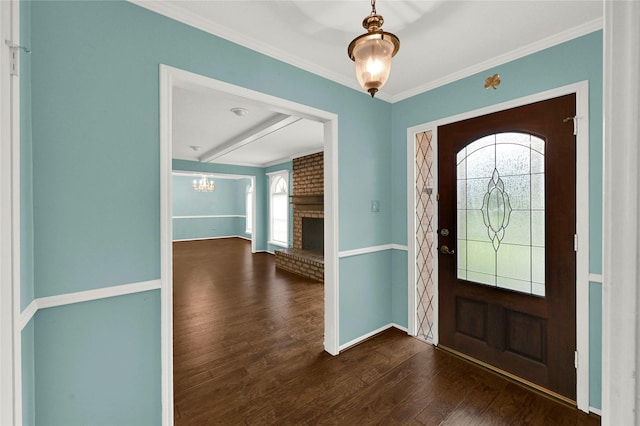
(249, 210)
(279, 211)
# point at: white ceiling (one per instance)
(440, 41)
(206, 130)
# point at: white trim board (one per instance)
(84, 296)
(620, 227)
(180, 15)
(581, 89)
(170, 77)
(364, 337)
(282, 172)
(371, 249)
(211, 238)
(196, 21)
(518, 53)
(10, 333)
(596, 278)
(209, 216)
(371, 334)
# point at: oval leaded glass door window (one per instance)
(500, 204)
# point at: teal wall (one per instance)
(28, 375)
(399, 279)
(95, 115)
(96, 362)
(92, 135)
(595, 344)
(26, 219)
(262, 192)
(227, 199)
(260, 209)
(365, 300)
(26, 171)
(571, 62)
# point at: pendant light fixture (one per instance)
(372, 52)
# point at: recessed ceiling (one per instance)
(440, 41)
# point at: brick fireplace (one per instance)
(306, 257)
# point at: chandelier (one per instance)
(372, 52)
(203, 185)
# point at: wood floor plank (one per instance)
(248, 349)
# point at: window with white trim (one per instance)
(279, 208)
(249, 210)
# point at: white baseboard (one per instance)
(371, 334)
(364, 337)
(399, 327)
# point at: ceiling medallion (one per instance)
(372, 52)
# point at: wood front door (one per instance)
(507, 223)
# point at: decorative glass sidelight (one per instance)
(501, 212)
(424, 235)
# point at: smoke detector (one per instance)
(240, 112)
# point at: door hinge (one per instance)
(438, 196)
(14, 57)
(575, 123)
(575, 359)
(575, 242)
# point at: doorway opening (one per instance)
(169, 78)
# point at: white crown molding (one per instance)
(521, 52)
(276, 162)
(236, 37)
(197, 21)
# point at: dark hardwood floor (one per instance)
(248, 349)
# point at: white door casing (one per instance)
(170, 76)
(582, 218)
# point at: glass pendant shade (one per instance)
(373, 61)
(372, 53)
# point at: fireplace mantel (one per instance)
(308, 202)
